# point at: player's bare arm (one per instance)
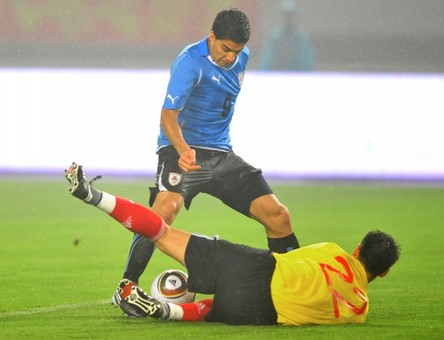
(170, 124)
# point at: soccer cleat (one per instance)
(115, 299)
(136, 303)
(80, 187)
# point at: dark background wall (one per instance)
(347, 35)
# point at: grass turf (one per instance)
(61, 259)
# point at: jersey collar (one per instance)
(205, 52)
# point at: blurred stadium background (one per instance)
(372, 95)
(348, 35)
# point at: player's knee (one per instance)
(167, 210)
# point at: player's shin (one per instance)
(133, 216)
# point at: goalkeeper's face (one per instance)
(223, 52)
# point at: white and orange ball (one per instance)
(172, 286)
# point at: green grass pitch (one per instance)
(61, 259)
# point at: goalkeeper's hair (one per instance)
(232, 24)
(378, 252)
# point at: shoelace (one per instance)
(94, 179)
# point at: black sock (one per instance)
(140, 254)
(283, 244)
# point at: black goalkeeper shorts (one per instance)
(223, 175)
(239, 277)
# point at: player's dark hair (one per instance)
(232, 24)
(378, 252)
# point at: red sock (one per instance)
(138, 219)
(196, 311)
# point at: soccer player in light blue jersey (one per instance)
(201, 96)
(195, 154)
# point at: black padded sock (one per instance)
(140, 254)
(283, 244)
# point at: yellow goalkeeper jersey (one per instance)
(319, 284)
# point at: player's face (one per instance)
(223, 52)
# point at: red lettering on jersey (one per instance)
(338, 297)
(347, 277)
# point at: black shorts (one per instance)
(223, 175)
(238, 276)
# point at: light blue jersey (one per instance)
(205, 94)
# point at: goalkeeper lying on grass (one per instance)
(317, 284)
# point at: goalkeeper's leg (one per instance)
(136, 303)
(131, 215)
(192, 311)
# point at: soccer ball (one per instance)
(172, 286)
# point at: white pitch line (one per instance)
(41, 310)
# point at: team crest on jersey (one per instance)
(241, 77)
(174, 178)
